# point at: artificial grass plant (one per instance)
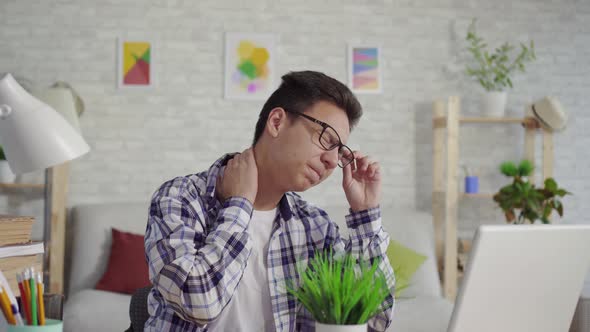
(340, 291)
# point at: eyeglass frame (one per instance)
(324, 127)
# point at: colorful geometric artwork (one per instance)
(135, 64)
(364, 69)
(249, 66)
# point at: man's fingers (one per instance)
(357, 154)
(347, 173)
(367, 161)
(374, 169)
(248, 156)
(363, 164)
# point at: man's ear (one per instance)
(277, 121)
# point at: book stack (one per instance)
(17, 252)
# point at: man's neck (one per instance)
(268, 196)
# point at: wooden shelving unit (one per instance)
(55, 191)
(446, 124)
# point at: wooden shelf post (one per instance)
(55, 227)
(529, 142)
(451, 198)
(547, 154)
(438, 194)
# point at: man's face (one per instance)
(303, 162)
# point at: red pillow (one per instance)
(127, 269)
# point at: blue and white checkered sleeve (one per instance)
(196, 271)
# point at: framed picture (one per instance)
(364, 69)
(135, 63)
(249, 66)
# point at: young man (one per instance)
(222, 244)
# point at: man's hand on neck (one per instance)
(240, 177)
(268, 196)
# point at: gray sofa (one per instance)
(422, 310)
(87, 253)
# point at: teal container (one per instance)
(51, 325)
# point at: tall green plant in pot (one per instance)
(493, 69)
(340, 294)
(522, 202)
(6, 174)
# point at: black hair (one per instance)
(301, 90)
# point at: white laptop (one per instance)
(522, 278)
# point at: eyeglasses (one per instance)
(329, 140)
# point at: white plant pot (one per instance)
(493, 103)
(319, 327)
(6, 175)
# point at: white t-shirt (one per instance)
(250, 308)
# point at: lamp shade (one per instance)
(33, 135)
(62, 100)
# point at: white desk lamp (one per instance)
(35, 136)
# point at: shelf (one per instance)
(491, 120)
(466, 195)
(22, 186)
(441, 122)
(477, 195)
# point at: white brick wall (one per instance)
(141, 138)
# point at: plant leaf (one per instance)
(508, 168)
(525, 168)
(547, 211)
(561, 192)
(558, 207)
(551, 185)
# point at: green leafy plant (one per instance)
(493, 70)
(522, 202)
(339, 291)
(2, 155)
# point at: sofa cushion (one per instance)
(404, 262)
(127, 268)
(415, 230)
(93, 310)
(90, 234)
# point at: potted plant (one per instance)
(493, 69)
(6, 175)
(340, 294)
(522, 202)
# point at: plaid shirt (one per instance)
(197, 250)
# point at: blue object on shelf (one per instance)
(471, 184)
